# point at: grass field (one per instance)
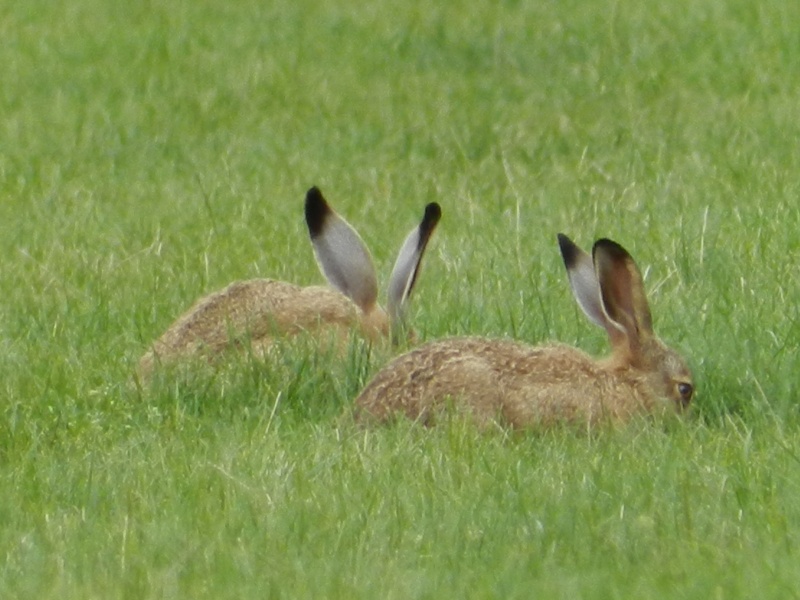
(149, 155)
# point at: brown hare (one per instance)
(254, 312)
(525, 386)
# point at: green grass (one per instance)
(150, 155)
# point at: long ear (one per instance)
(583, 280)
(586, 288)
(341, 254)
(406, 267)
(622, 290)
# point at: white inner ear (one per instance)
(586, 290)
(403, 275)
(344, 260)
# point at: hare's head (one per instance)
(345, 261)
(609, 289)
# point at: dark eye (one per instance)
(685, 390)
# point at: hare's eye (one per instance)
(686, 390)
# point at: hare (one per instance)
(257, 311)
(527, 386)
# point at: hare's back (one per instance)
(256, 311)
(469, 373)
(487, 378)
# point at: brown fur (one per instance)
(521, 385)
(255, 312)
(252, 314)
(527, 386)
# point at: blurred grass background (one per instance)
(151, 154)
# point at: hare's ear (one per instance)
(622, 290)
(583, 281)
(341, 254)
(406, 267)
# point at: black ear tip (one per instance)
(610, 248)
(433, 212)
(317, 210)
(569, 250)
(314, 195)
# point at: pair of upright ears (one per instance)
(609, 288)
(346, 263)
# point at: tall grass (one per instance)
(150, 154)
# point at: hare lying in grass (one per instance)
(254, 312)
(527, 386)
